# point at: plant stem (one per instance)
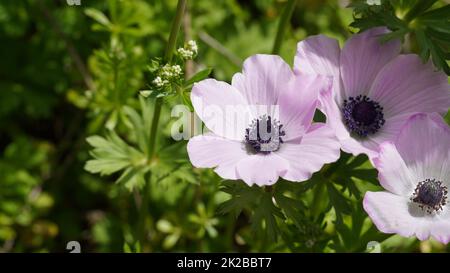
(284, 20)
(143, 210)
(154, 128)
(174, 31)
(318, 194)
(168, 58)
(155, 120)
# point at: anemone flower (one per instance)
(375, 90)
(260, 126)
(415, 171)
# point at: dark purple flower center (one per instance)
(362, 115)
(430, 194)
(264, 135)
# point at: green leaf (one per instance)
(438, 14)
(164, 226)
(111, 154)
(291, 208)
(132, 178)
(397, 34)
(139, 128)
(105, 166)
(338, 201)
(98, 16)
(369, 175)
(198, 77)
(263, 219)
(419, 8)
(146, 93)
(422, 41)
(171, 240)
(242, 196)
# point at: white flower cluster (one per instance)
(160, 82)
(166, 74)
(170, 71)
(189, 51)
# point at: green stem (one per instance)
(168, 58)
(174, 32)
(143, 211)
(318, 196)
(155, 120)
(284, 20)
(154, 128)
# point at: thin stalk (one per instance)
(318, 196)
(143, 211)
(174, 32)
(168, 58)
(155, 120)
(284, 20)
(154, 128)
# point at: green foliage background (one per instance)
(69, 93)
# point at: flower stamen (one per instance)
(362, 115)
(431, 195)
(264, 135)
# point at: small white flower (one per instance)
(176, 70)
(185, 54)
(159, 82)
(167, 74)
(189, 51)
(192, 46)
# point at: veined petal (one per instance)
(319, 55)
(262, 169)
(362, 57)
(424, 144)
(318, 146)
(406, 85)
(331, 110)
(212, 151)
(262, 79)
(397, 214)
(222, 108)
(393, 173)
(298, 103)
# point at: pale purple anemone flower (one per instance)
(415, 171)
(375, 90)
(292, 148)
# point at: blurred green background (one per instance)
(65, 74)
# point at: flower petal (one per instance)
(406, 85)
(319, 55)
(424, 144)
(319, 146)
(222, 108)
(356, 147)
(263, 78)
(440, 231)
(262, 169)
(298, 103)
(331, 110)
(392, 171)
(396, 214)
(362, 58)
(369, 145)
(209, 151)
